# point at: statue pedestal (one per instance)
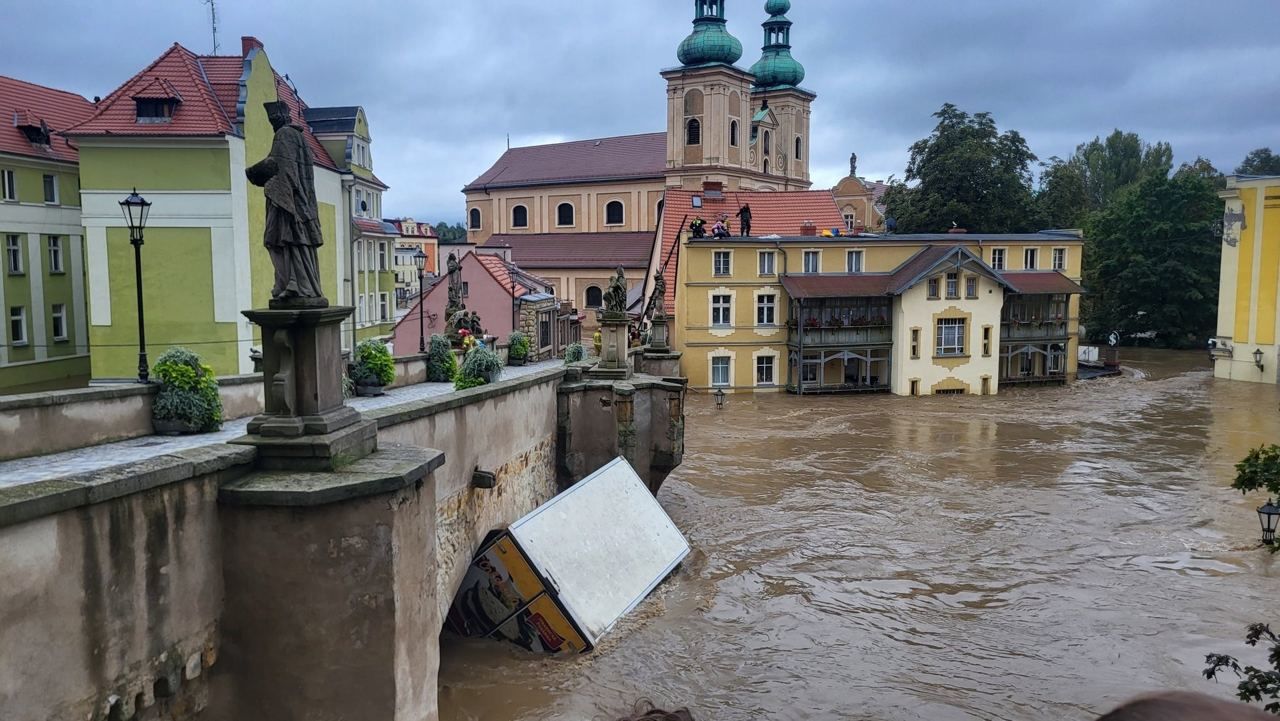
(306, 423)
(613, 349)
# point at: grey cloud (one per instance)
(444, 83)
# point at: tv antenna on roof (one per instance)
(213, 22)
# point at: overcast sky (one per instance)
(444, 83)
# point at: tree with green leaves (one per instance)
(1063, 198)
(1118, 161)
(966, 173)
(1260, 162)
(1151, 260)
(1201, 167)
(451, 234)
(1256, 685)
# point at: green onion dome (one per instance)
(776, 68)
(710, 41)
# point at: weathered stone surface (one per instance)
(327, 452)
(409, 412)
(385, 471)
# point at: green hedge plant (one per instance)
(479, 365)
(442, 366)
(373, 366)
(188, 392)
(517, 345)
(574, 353)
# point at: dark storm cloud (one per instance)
(444, 83)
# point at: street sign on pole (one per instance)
(1114, 339)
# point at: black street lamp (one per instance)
(1269, 516)
(420, 260)
(1257, 358)
(719, 395)
(136, 209)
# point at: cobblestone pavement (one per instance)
(94, 458)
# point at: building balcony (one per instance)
(840, 336)
(1033, 330)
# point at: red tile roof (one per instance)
(577, 250)
(837, 286)
(627, 156)
(779, 213)
(503, 272)
(1041, 282)
(224, 73)
(178, 69)
(22, 103)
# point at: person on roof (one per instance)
(744, 220)
(698, 227)
(720, 229)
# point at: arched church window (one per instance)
(613, 213)
(693, 132)
(799, 148)
(766, 166)
(564, 214)
(519, 217)
(475, 219)
(595, 297)
(733, 133)
(768, 149)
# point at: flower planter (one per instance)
(173, 427)
(369, 391)
(516, 361)
(494, 376)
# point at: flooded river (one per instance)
(1042, 554)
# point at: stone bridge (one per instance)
(191, 586)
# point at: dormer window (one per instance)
(156, 111)
(157, 101)
(37, 132)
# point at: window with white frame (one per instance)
(721, 263)
(766, 309)
(850, 221)
(1029, 258)
(8, 186)
(853, 261)
(59, 319)
(811, 261)
(971, 286)
(564, 214)
(473, 219)
(13, 254)
(519, 217)
(809, 370)
(384, 307)
(382, 255)
(18, 325)
(595, 297)
(997, 258)
(55, 254)
(767, 259)
(933, 288)
(953, 285)
(720, 371)
(51, 189)
(1059, 258)
(721, 310)
(360, 309)
(614, 213)
(951, 336)
(915, 342)
(765, 370)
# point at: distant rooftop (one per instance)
(624, 157)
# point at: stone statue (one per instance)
(659, 302)
(615, 298)
(455, 287)
(853, 165)
(287, 177)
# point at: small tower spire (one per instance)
(710, 42)
(776, 68)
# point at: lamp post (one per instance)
(420, 260)
(1269, 516)
(136, 209)
(719, 395)
(1257, 358)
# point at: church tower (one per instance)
(780, 107)
(709, 106)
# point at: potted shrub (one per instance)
(574, 353)
(188, 400)
(441, 364)
(374, 369)
(481, 366)
(517, 348)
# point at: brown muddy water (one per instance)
(1042, 554)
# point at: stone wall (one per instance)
(112, 591)
(38, 423)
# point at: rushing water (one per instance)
(1041, 554)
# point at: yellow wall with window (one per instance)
(1248, 293)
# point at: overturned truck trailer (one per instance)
(561, 577)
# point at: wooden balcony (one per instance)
(1033, 330)
(843, 336)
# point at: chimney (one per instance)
(247, 43)
(808, 228)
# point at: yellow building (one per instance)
(797, 307)
(1246, 346)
